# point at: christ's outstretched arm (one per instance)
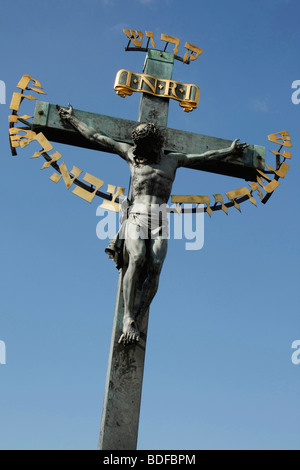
(198, 161)
(106, 143)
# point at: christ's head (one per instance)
(148, 140)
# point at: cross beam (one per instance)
(46, 119)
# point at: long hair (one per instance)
(147, 131)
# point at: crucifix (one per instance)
(153, 168)
(154, 153)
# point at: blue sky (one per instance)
(218, 371)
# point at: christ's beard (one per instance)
(145, 154)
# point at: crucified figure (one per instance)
(145, 233)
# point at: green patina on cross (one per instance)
(120, 417)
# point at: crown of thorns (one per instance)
(147, 129)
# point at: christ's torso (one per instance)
(151, 183)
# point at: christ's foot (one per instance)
(131, 333)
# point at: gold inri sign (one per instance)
(127, 82)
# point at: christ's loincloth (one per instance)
(151, 223)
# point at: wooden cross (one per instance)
(120, 417)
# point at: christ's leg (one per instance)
(136, 251)
(158, 251)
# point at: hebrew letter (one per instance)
(190, 51)
(149, 35)
(205, 200)
(285, 154)
(282, 171)
(36, 90)
(281, 138)
(65, 174)
(175, 41)
(255, 187)
(55, 157)
(18, 140)
(23, 84)
(83, 193)
(16, 100)
(193, 199)
(41, 139)
(219, 198)
(233, 195)
(269, 188)
(133, 36)
(14, 117)
(112, 205)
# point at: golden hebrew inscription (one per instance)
(23, 85)
(22, 137)
(264, 181)
(232, 195)
(93, 181)
(112, 205)
(13, 118)
(65, 175)
(172, 40)
(269, 188)
(281, 138)
(219, 200)
(255, 187)
(25, 80)
(285, 154)
(282, 171)
(193, 199)
(150, 35)
(54, 158)
(20, 140)
(47, 147)
(17, 99)
(136, 37)
(191, 50)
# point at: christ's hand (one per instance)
(235, 146)
(235, 152)
(65, 113)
